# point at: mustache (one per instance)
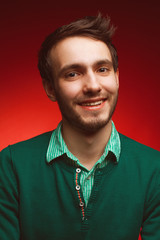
(92, 97)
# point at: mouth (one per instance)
(93, 104)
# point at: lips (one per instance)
(92, 103)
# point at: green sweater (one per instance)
(40, 200)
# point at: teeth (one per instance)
(92, 103)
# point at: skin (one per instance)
(86, 89)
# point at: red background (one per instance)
(25, 109)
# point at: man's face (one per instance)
(85, 84)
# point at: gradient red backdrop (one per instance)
(25, 109)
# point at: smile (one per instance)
(93, 104)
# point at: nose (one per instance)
(91, 84)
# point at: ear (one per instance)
(49, 89)
(117, 76)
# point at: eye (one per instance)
(71, 74)
(103, 70)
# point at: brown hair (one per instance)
(96, 27)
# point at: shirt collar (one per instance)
(57, 146)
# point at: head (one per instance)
(78, 64)
(95, 27)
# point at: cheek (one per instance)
(111, 86)
(70, 89)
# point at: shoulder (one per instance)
(34, 142)
(28, 148)
(134, 146)
(139, 152)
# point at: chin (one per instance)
(91, 126)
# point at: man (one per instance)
(84, 180)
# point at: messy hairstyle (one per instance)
(95, 27)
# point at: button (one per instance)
(77, 187)
(81, 204)
(78, 170)
(89, 177)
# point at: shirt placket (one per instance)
(79, 192)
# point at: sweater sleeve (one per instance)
(151, 221)
(9, 223)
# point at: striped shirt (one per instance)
(57, 147)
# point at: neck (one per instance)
(87, 147)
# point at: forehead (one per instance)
(77, 49)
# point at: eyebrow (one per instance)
(81, 65)
(104, 61)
